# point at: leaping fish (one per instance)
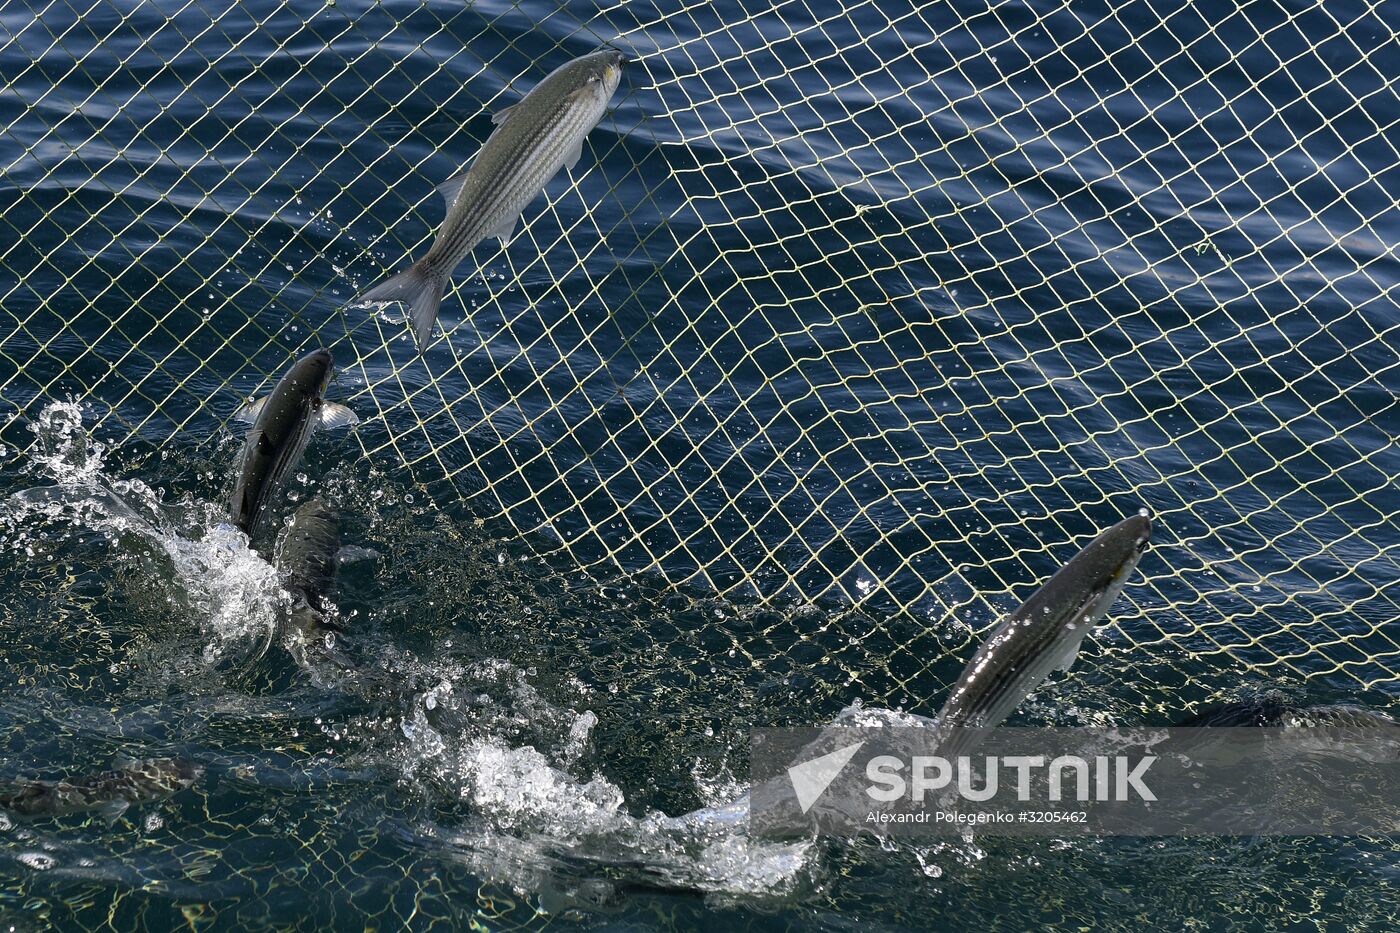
(534, 138)
(282, 422)
(1045, 633)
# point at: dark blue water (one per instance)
(850, 322)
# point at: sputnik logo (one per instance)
(811, 778)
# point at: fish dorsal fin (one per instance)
(452, 187)
(502, 115)
(251, 410)
(505, 229)
(334, 415)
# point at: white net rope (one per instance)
(877, 304)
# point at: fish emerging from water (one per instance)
(1044, 634)
(534, 138)
(282, 423)
(307, 558)
(108, 792)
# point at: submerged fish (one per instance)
(307, 560)
(282, 424)
(1282, 715)
(1043, 634)
(110, 792)
(534, 138)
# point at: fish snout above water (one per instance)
(1045, 632)
(282, 424)
(307, 558)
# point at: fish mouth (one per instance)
(612, 68)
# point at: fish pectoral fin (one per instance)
(505, 229)
(112, 810)
(334, 415)
(1068, 653)
(452, 187)
(500, 116)
(251, 410)
(574, 155)
(265, 446)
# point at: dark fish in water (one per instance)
(109, 792)
(1043, 634)
(534, 138)
(1351, 732)
(1282, 715)
(282, 424)
(307, 558)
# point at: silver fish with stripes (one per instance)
(110, 793)
(534, 138)
(1044, 634)
(282, 422)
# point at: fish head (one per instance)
(313, 532)
(315, 512)
(186, 772)
(312, 373)
(1082, 591)
(603, 68)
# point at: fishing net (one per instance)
(873, 307)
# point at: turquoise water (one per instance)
(862, 311)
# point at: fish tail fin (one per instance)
(420, 287)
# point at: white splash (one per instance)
(233, 594)
(492, 741)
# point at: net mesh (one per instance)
(876, 304)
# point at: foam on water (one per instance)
(475, 736)
(232, 594)
(483, 736)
